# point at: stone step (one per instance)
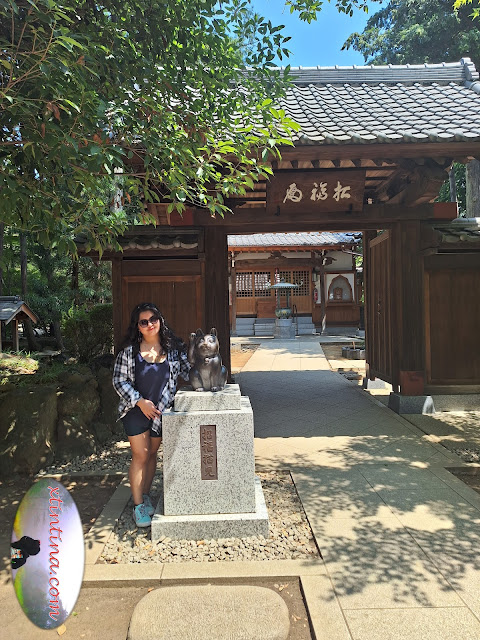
(245, 322)
(244, 333)
(304, 319)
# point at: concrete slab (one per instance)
(414, 624)
(252, 569)
(326, 615)
(209, 611)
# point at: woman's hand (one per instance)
(148, 408)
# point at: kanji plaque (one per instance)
(315, 190)
(208, 447)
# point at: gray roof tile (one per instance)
(310, 239)
(410, 103)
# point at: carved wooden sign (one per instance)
(315, 190)
(208, 448)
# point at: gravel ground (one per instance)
(290, 534)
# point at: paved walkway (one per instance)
(398, 533)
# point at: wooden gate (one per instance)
(379, 308)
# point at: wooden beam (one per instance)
(371, 217)
(382, 151)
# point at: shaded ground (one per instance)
(470, 477)
(89, 621)
(90, 493)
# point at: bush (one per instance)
(88, 334)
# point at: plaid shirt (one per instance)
(124, 381)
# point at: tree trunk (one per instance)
(75, 272)
(453, 184)
(23, 264)
(27, 325)
(57, 332)
(473, 189)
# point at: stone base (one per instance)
(229, 399)
(411, 404)
(457, 402)
(284, 329)
(186, 489)
(374, 384)
(209, 527)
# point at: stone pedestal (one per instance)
(284, 329)
(209, 484)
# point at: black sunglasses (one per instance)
(145, 323)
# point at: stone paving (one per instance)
(399, 534)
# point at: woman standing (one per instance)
(145, 377)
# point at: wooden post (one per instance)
(367, 236)
(323, 302)
(233, 284)
(408, 336)
(473, 188)
(15, 344)
(216, 289)
(117, 301)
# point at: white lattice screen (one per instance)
(245, 284)
(262, 281)
(297, 277)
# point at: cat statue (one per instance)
(207, 372)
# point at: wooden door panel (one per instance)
(452, 321)
(177, 297)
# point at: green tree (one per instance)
(461, 3)
(155, 90)
(408, 31)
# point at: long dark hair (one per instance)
(167, 338)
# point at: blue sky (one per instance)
(318, 43)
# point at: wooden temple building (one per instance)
(321, 264)
(374, 147)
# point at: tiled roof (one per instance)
(395, 103)
(308, 239)
(461, 230)
(10, 306)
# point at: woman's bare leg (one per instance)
(151, 465)
(140, 445)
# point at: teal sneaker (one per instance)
(148, 504)
(141, 517)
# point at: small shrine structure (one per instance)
(13, 309)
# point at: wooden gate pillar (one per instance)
(117, 302)
(216, 288)
(366, 237)
(408, 329)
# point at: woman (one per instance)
(145, 377)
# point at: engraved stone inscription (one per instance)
(208, 446)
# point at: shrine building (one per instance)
(375, 145)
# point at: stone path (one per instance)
(398, 533)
